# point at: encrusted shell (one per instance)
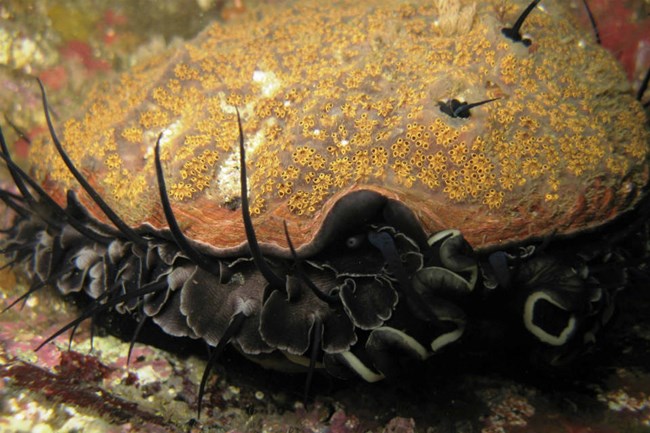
(344, 95)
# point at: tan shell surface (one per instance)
(344, 95)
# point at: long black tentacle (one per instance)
(17, 247)
(127, 231)
(64, 214)
(93, 312)
(36, 286)
(9, 264)
(233, 327)
(144, 290)
(30, 202)
(644, 87)
(276, 282)
(317, 332)
(107, 293)
(463, 110)
(12, 195)
(20, 177)
(74, 331)
(14, 175)
(18, 131)
(514, 32)
(10, 201)
(134, 337)
(456, 109)
(325, 297)
(592, 20)
(33, 289)
(198, 258)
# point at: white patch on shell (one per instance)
(454, 19)
(228, 183)
(268, 82)
(228, 177)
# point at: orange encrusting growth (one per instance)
(344, 95)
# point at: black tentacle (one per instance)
(325, 297)
(317, 332)
(20, 177)
(107, 293)
(233, 327)
(74, 331)
(10, 201)
(134, 337)
(514, 32)
(12, 196)
(17, 176)
(17, 247)
(144, 290)
(643, 88)
(17, 130)
(127, 231)
(9, 264)
(457, 109)
(274, 281)
(34, 288)
(182, 242)
(592, 20)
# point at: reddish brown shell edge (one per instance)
(559, 201)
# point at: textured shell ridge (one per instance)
(352, 103)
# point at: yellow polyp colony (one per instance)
(345, 94)
(195, 173)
